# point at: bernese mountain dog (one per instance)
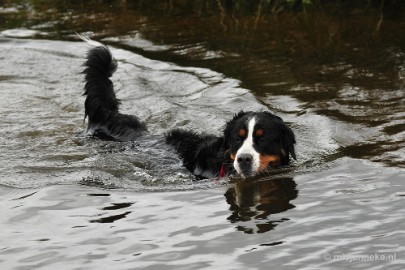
(251, 144)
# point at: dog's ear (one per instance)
(229, 126)
(287, 141)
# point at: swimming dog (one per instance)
(252, 143)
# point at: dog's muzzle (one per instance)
(245, 164)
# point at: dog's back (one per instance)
(202, 154)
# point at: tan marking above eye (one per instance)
(232, 157)
(242, 132)
(259, 132)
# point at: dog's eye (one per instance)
(259, 132)
(242, 132)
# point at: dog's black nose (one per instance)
(245, 159)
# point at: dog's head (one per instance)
(258, 141)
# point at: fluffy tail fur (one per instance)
(100, 101)
(101, 105)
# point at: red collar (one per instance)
(222, 172)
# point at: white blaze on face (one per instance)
(247, 148)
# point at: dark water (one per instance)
(71, 202)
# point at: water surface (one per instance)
(73, 202)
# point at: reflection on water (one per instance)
(257, 200)
(336, 76)
(343, 210)
(110, 219)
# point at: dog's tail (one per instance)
(101, 105)
(100, 101)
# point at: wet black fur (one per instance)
(101, 105)
(204, 155)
